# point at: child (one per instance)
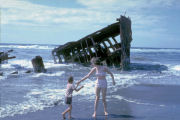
(68, 95)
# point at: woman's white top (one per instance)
(101, 83)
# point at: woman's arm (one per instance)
(112, 76)
(84, 78)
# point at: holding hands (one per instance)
(78, 83)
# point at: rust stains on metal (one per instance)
(102, 44)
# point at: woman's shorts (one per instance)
(101, 83)
(68, 100)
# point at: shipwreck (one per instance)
(102, 44)
(5, 56)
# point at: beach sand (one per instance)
(139, 102)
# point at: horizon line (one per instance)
(60, 45)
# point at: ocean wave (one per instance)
(126, 79)
(38, 99)
(51, 64)
(46, 98)
(24, 63)
(168, 76)
(88, 89)
(154, 50)
(175, 70)
(3, 77)
(6, 66)
(135, 101)
(148, 67)
(122, 80)
(49, 74)
(28, 46)
(21, 63)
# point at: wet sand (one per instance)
(139, 102)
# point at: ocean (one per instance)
(29, 92)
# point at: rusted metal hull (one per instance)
(5, 56)
(102, 44)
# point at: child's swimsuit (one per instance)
(101, 83)
(68, 100)
(69, 91)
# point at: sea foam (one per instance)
(49, 74)
(21, 63)
(176, 68)
(27, 46)
(38, 99)
(151, 50)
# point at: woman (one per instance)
(101, 83)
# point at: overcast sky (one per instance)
(155, 23)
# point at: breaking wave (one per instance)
(37, 100)
(154, 50)
(28, 46)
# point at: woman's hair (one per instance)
(70, 79)
(96, 61)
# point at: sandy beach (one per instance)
(140, 102)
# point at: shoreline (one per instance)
(149, 102)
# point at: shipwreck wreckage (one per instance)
(100, 44)
(5, 56)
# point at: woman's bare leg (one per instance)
(104, 100)
(97, 91)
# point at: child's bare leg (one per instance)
(70, 109)
(64, 113)
(104, 100)
(97, 90)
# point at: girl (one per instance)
(68, 95)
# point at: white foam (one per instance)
(3, 77)
(22, 63)
(117, 97)
(88, 89)
(38, 99)
(46, 98)
(27, 46)
(122, 81)
(141, 50)
(165, 77)
(176, 68)
(52, 65)
(134, 101)
(125, 79)
(49, 74)
(6, 66)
